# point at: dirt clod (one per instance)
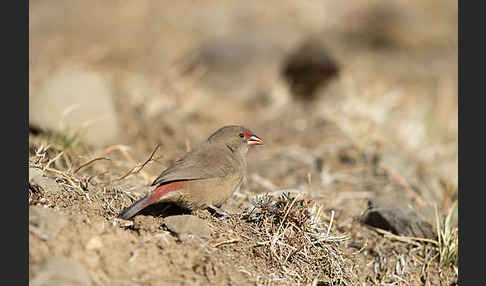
(188, 224)
(144, 224)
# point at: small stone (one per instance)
(188, 224)
(392, 213)
(42, 183)
(122, 222)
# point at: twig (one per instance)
(68, 178)
(131, 172)
(55, 171)
(52, 160)
(330, 223)
(408, 239)
(89, 162)
(361, 249)
(286, 214)
(293, 252)
(124, 150)
(67, 160)
(226, 242)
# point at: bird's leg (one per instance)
(219, 210)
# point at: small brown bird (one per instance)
(204, 177)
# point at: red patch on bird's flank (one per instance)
(247, 134)
(160, 191)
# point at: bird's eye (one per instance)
(242, 135)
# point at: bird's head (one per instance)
(235, 137)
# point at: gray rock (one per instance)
(62, 272)
(394, 213)
(188, 224)
(44, 184)
(76, 100)
(45, 223)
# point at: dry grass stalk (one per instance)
(89, 162)
(294, 237)
(52, 160)
(407, 239)
(134, 170)
(226, 242)
(124, 150)
(448, 237)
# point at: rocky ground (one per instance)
(356, 183)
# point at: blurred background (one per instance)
(335, 88)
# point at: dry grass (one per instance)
(448, 238)
(93, 190)
(292, 236)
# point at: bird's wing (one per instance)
(201, 163)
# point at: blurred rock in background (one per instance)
(309, 68)
(78, 99)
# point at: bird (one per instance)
(204, 177)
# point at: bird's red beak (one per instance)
(254, 140)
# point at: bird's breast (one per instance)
(202, 193)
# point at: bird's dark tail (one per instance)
(135, 208)
(149, 199)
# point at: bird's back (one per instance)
(204, 162)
